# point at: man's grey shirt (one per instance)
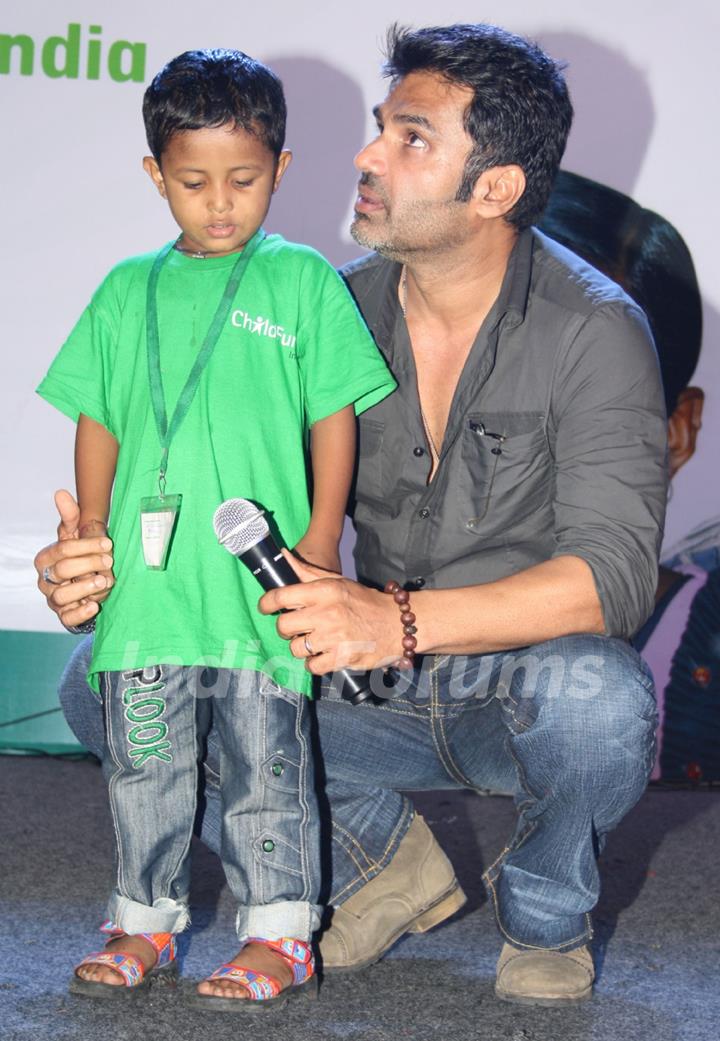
(555, 443)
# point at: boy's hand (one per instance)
(320, 551)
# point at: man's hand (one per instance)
(74, 574)
(344, 624)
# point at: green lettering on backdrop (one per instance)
(93, 54)
(136, 71)
(27, 53)
(73, 55)
(70, 48)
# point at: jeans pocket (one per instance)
(281, 774)
(277, 855)
(268, 688)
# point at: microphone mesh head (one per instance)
(239, 525)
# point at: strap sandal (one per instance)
(264, 992)
(135, 979)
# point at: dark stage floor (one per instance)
(657, 942)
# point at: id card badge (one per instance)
(158, 518)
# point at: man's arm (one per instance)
(77, 568)
(609, 497)
(360, 628)
(333, 456)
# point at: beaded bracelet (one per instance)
(409, 643)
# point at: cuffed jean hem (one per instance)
(297, 919)
(165, 915)
(561, 934)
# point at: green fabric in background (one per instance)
(30, 717)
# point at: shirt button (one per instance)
(419, 582)
(268, 846)
(424, 513)
(277, 769)
(418, 450)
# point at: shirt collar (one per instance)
(512, 299)
(515, 289)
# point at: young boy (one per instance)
(196, 374)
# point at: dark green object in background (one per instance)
(31, 720)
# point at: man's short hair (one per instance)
(520, 113)
(214, 88)
(643, 253)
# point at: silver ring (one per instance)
(308, 648)
(46, 576)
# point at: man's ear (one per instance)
(152, 169)
(683, 427)
(498, 189)
(282, 165)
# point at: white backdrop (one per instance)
(75, 199)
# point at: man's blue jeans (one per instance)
(565, 727)
(156, 720)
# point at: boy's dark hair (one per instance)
(520, 112)
(214, 88)
(643, 253)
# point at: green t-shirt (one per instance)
(293, 350)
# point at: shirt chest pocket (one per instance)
(505, 468)
(369, 481)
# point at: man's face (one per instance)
(412, 170)
(218, 183)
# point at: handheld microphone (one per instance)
(242, 529)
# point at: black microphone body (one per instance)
(272, 571)
(268, 565)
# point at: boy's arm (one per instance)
(96, 452)
(332, 444)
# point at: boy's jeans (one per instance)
(565, 727)
(156, 721)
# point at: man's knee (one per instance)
(583, 688)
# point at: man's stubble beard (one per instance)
(422, 235)
(361, 230)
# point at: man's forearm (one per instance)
(552, 599)
(359, 627)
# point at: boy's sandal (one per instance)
(135, 979)
(264, 992)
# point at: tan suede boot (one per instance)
(416, 891)
(544, 977)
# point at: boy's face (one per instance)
(218, 183)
